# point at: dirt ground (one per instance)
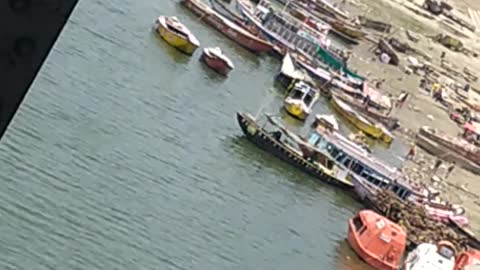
(461, 187)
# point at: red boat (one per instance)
(215, 59)
(227, 27)
(377, 240)
(467, 259)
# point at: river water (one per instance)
(126, 155)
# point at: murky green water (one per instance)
(126, 155)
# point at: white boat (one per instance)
(300, 100)
(432, 257)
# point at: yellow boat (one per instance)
(300, 100)
(375, 130)
(176, 34)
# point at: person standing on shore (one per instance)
(450, 170)
(411, 152)
(437, 165)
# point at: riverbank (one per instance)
(420, 110)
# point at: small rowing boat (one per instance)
(216, 60)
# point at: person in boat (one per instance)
(277, 135)
(450, 170)
(366, 99)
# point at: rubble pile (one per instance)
(415, 221)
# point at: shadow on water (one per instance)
(211, 74)
(346, 258)
(171, 52)
(261, 160)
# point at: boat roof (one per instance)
(288, 68)
(351, 149)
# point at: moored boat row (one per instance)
(312, 66)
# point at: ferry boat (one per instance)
(215, 59)
(300, 100)
(230, 29)
(293, 149)
(374, 129)
(377, 240)
(430, 256)
(176, 34)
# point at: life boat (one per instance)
(431, 256)
(377, 240)
(468, 260)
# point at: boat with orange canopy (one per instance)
(377, 240)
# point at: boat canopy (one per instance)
(333, 62)
(288, 68)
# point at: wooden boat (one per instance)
(176, 34)
(227, 27)
(441, 212)
(329, 9)
(375, 25)
(310, 162)
(343, 29)
(371, 113)
(300, 100)
(375, 130)
(215, 59)
(283, 31)
(377, 240)
(348, 29)
(385, 47)
(440, 256)
(465, 154)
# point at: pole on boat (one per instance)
(262, 106)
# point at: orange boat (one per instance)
(377, 240)
(467, 259)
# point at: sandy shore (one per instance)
(421, 110)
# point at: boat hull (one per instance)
(436, 146)
(216, 64)
(348, 30)
(389, 122)
(266, 142)
(370, 130)
(296, 110)
(227, 27)
(180, 43)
